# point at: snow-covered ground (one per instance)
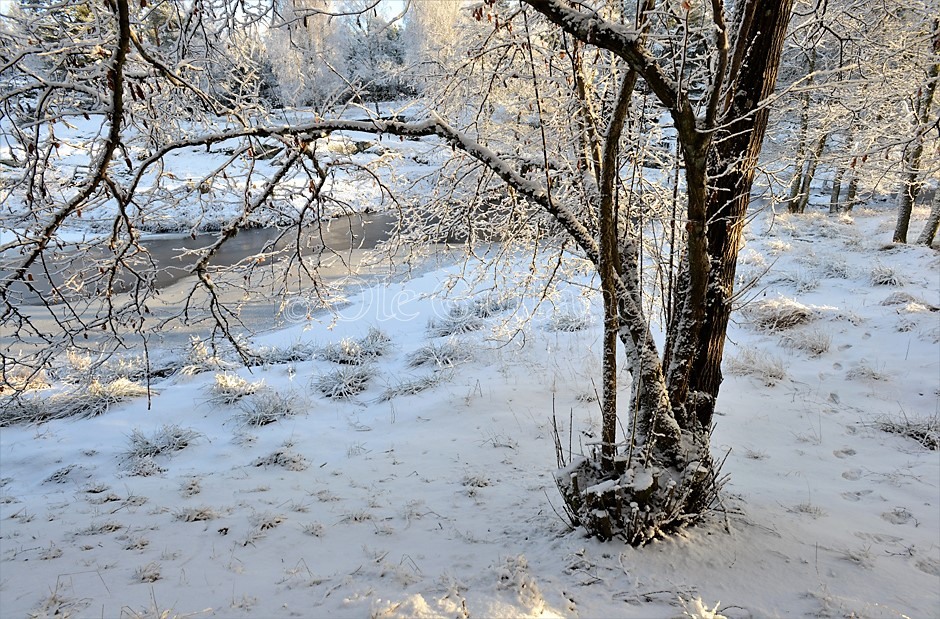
(441, 503)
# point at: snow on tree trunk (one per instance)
(929, 233)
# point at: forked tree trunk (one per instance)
(666, 476)
(807, 182)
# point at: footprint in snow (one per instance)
(855, 495)
(898, 515)
(852, 474)
(845, 452)
(929, 566)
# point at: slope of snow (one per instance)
(442, 503)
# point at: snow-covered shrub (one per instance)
(357, 351)
(448, 353)
(261, 409)
(344, 382)
(197, 514)
(814, 342)
(148, 573)
(458, 319)
(777, 247)
(778, 314)
(909, 301)
(229, 388)
(760, 364)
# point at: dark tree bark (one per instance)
(731, 166)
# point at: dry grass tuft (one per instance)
(760, 364)
(778, 314)
(814, 342)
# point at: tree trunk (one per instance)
(834, 206)
(851, 196)
(800, 157)
(731, 170)
(915, 149)
(806, 184)
(929, 232)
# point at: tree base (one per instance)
(636, 504)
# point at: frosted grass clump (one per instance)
(813, 342)
(167, 440)
(81, 402)
(490, 304)
(261, 409)
(924, 430)
(778, 314)
(357, 351)
(569, 321)
(760, 364)
(413, 386)
(344, 382)
(445, 354)
(884, 275)
(277, 355)
(458, 319)
(229, 388)
(200, 358)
